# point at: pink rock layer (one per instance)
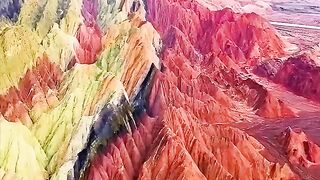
(299, 74)
(185, 48)
(187, 132)
(245, 38)
(176, 144)
(89, 37)
(37, 88)
(300, 150)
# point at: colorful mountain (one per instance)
(166, 89)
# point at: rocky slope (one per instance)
(59, 71)
(300, 74)
(300, 149)
(132, 89)
(192, 94)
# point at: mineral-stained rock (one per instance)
(299, 74)
(89, 37)
(18, 52)
(272, 107)
(238, 35)
(144, 89)
(53, 83)
(183, 146)
(198, 86)
(129, 50)
(268, 68)
(37, 89)
(300, 150)
(10, 9)
(193, 92)
(223, 76)
(127, 151)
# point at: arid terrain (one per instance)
(160, 89)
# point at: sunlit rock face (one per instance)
(154, 89)
(300, 150)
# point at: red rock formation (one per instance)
(36, 89)
(89, 37)
(269, 68)
(245, 38)
(125, 155)
(193, 95)
(274, 108)
(300, 150)
(180, 145)
(217, 77)
(299, 74)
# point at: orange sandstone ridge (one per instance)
(300, 150)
